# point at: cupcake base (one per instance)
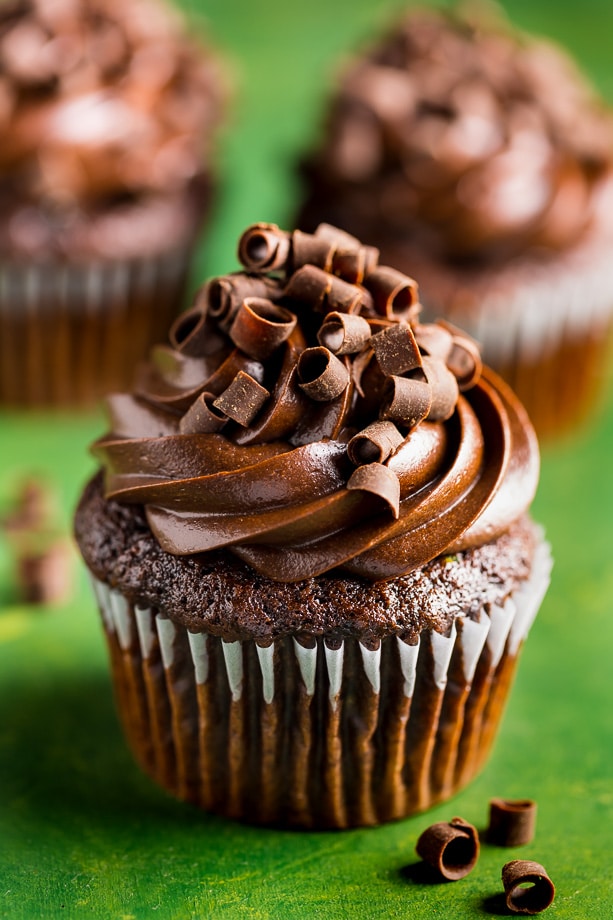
(69, 333)
(331, 735)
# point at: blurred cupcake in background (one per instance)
(108, 113)
(480, 159)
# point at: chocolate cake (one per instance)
(480, 159)
(108, 113)
(310, 543)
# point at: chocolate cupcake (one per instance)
(479, 159)
(310, 543)
(107, 115)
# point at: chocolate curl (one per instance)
(324, 292)
(308, 249)
(444, 389)
(452, 848)
(321, 375)
(379, 480)
(188, 333)
(202, 416)
(351, 260)
(407, 400)
(260, 327)
(464, 361)
(512, 823)
(223, 297)
(344, 333)
(375, 443)
(396, 349)
(434, 341)
(242, 400)
(527, 900)
(394, 294)
(264, 248)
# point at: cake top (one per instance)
(304, 419)
(102, 102)
(474, 138)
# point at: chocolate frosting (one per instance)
(104, 105)
(270, 448)
(474, 139)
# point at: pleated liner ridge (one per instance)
(334, 735)
(71, 333)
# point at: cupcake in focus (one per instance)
(108, 113)
(480, 159)
(310, 543)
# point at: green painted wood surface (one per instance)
(84, 834)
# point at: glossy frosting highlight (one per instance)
(226, 449)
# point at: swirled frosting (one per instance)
(302, 418)
(103, 104)
(472, 139)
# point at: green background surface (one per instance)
(84, 834)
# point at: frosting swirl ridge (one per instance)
(321, 427)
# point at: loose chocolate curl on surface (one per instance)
(450, 847)
(202, 416)
(512, 823)
(260, 327)
(379, 480)
(396, 350)
(243, 399)
(375, 443)
(344, 333)
(264, 248)
(527, 887)
(322, 376)
(406, 400)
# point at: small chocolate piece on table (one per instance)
(527, 887)
(450, 847)
(512, 823)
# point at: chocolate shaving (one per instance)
(375, 443)
(518, 874)
(321, 375)
(434, 341)
(379, 480)
(324, 292)
(264, 248)
(394, 294)
(308, 249)
(260, 327)
(444, 389)
(344, 333)
(450, 847)
(202, 416)
(511, 823)
(407, 400)
(464, 360)
(224, 296)
(242, 400)
(188, 333)
(351, 260)
(396, 349)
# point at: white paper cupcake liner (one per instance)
(333, 734)
(71, 332)
(548, 334)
